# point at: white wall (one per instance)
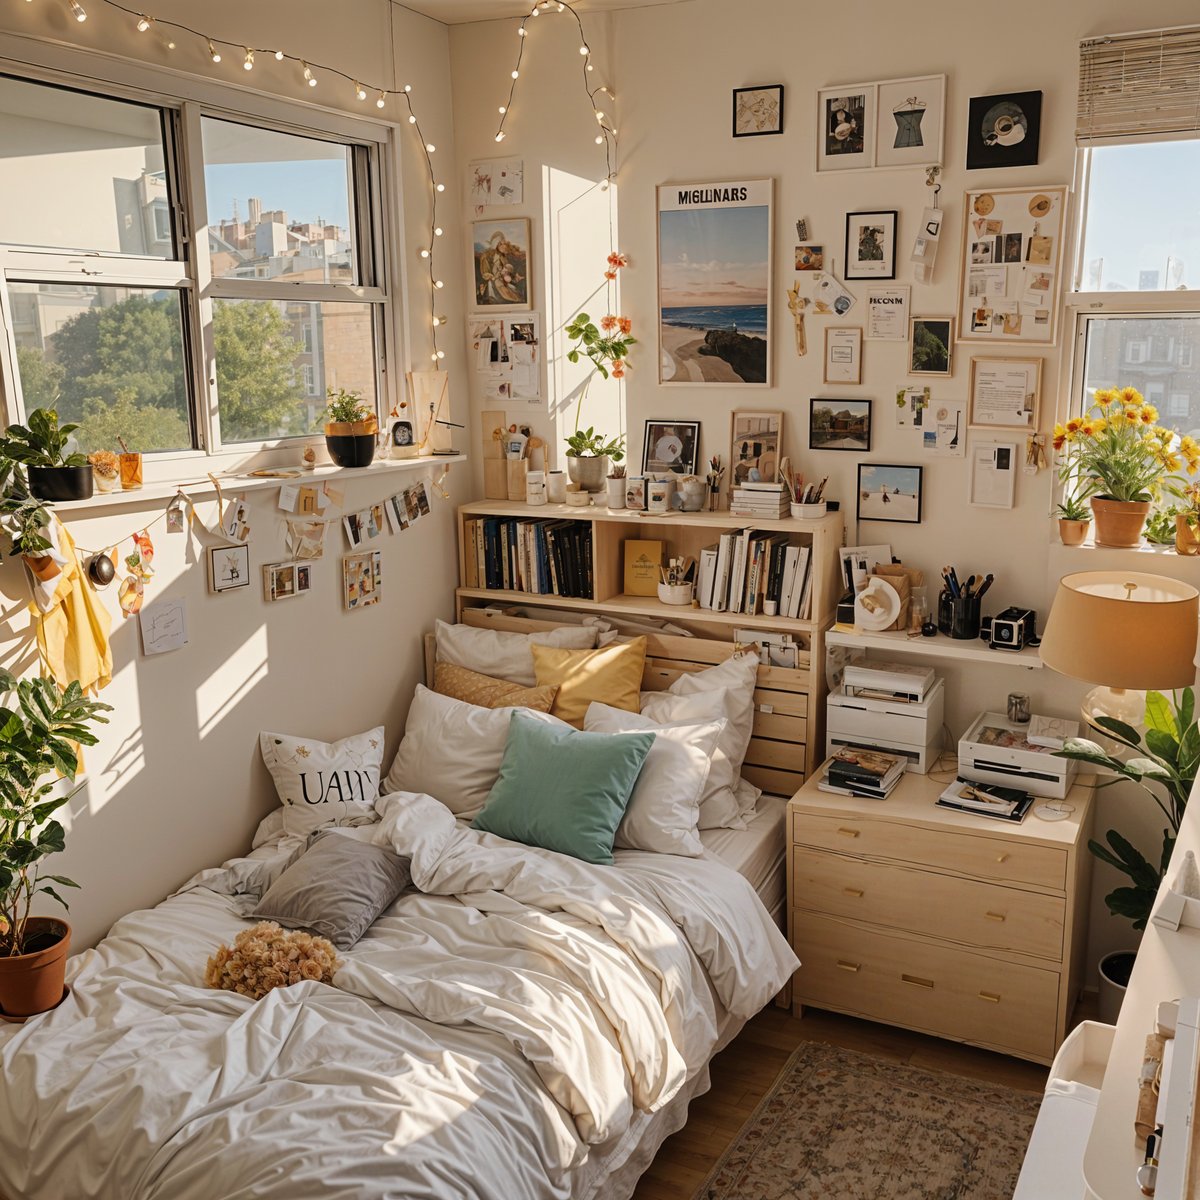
(176, 783)
(673, 68)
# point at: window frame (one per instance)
(183, 101)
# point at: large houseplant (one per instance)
(41, 729)
(351, 428)
(41, 447)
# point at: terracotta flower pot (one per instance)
(33, 983)
(1072, 533)
(1119, 522)
(1187, 537)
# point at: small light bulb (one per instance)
(424, 253)
(583, 49)
(213, 52)
(441, 187)
(503, 110)
(78, 10)
(437, 283)
(309, 77)
(430, 147)
(360, 91)
(382, 101)
(590, 67)
(437, 232)
(412, 120)
(440, 354)
(599, 115)
(170, 45)
(500, 136)
(522, 32)
(408, 87)
(279, 56)
(600, 140)
(248, 61)
(516, 74)
(436, 322)
(143, 24)
(433, 357)
(562, 7)
(536, 11)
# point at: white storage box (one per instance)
(912, 729)
(994, 750)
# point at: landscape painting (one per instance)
(889, 493)
(714, 282)
(839, 425)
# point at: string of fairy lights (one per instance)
(314, 73)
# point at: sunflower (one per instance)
(1130, 395)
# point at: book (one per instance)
(986, 800)
(802, 584)
(1008, 739)
(760, 486)
(707, 576)
(872, 768)
(790, 557)
(643, 566)
(1050, 732)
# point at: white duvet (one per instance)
(496, 1034)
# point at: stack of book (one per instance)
(760, 500)
(986, 799)
(752, 571)
(871, 774)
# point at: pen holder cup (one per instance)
(809, 512)
(964, 617)
(675, 593)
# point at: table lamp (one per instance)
(1127, 631)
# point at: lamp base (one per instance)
(1124, 704)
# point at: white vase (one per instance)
(616, 491)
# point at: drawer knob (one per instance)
(991, 916)
(848, 966)
(1002, 858)
(990, 997)
(916, 981)
(857, 893)
(848, 832)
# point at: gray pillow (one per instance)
(336, 888)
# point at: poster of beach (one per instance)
(714, 282)
(889, 493)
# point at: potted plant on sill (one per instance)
(41, 447)
(25, 519)
(1122, 460)
(351, 428)
(1187, 521)
(1163, 762)
(1074, 520)
(40, 729)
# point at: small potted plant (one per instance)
(1074, 520)
(25, 520)
(41, 447)
(616, 486)
(106, 467)
(40, 732)
(1160, 525)
(1187, 521)
(588, 456)
(351, 428)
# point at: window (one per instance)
(122, 341)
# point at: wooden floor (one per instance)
(744, 1071)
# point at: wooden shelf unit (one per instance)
(941, 646)
(687, 534)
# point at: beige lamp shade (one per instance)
(1123, 629)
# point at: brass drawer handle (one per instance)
(916, 982)
(849, 832)
(848, 966)
(991, 916)
(1003, 858)
(990, 997)
(857, 893)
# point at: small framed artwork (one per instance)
(871, 245)
(228, 567)
(758, 110)
(1004, 130)
(1005, 393)
(843, 354)
(756, 440)
(889, 493)
(839, 425)
(911, 122)
(362, 579)
(282, 581)
(931, 346)
(993, 474)
(402, 438)
(846, 138)
(810, 257)
(670, 446)
(501, 254)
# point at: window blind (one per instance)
(1137, 84)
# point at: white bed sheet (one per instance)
(756, 852)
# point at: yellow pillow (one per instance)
(611, 675)
(486, 692)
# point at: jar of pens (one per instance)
(806, 498)
(713, 478)
(958, 604)
(677, 581)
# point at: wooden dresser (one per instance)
(944, 922)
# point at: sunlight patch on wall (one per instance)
(234, 679)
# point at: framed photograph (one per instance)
(889, 493)
(1005, 393)
(993, 474)
(871, 245)
(810, 258)
(887, 313)
(501, 253)
(670, 446)
(931, 346)
(758, 110)
(362, 579)
(843, 354)
(756, 439)
(846, 137)
(714, 282)
(282, 581)
(839, 425)
(228, 567)
(911, 122)
(1004, 130)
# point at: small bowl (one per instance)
(675, 593)
(809, 512)
(579, 499)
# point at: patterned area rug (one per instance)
(842, 1125)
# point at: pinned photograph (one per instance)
(1004, 130)
(931, 346)
(495, 181)
(810, 258)
(889, 493)
(911, 403)
(944, 432)
(839, 425)
(362, 579)
(1010, 244)
(757, 110)
(871, 245)
(228, 568)
(306, 539)
(355, 525)
(282, 581)
(397, 513)
(501, 253)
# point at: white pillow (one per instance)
(323, 783)
(665, 805)
(452, 751)
(505, 655)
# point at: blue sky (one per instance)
(306, 190)
(903, 478)
(714, 256)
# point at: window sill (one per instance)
(152, 494)
(1089, 547)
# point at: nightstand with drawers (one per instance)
(944, 922)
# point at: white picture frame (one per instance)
(910, 122)
(228, 567)
(993, 475)
(1004, 393)
(843, 354)
(887, 312)
(846, 127)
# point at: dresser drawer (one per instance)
(951, 850)
(986, 915)
(939, 989)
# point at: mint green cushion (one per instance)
(562, 789)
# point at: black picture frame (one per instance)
(688, 433)
(858, 438)
(857, 267)
(765, 87)
(992, 123)
(892, 481)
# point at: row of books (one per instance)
(748, 568)
(760, 500)
(871, 774)
(545, 558)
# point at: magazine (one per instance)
(987, 800)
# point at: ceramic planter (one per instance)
(1187, 537)
(33, 983)
(351, 443)
(590, 473)
(616, 491)
(1115, 969)
(1072, 533)
(1119, 522)
(61, 483)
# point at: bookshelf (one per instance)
(686, 534)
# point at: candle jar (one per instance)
(131, 472)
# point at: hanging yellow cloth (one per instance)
(72, 626)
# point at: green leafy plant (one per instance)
(1073, 508)
(587, 443)
(1164, 764)
(41, 443)
(24, 518)
(607, 345)
(345, 408)
(1160, 525)
(40, 728)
